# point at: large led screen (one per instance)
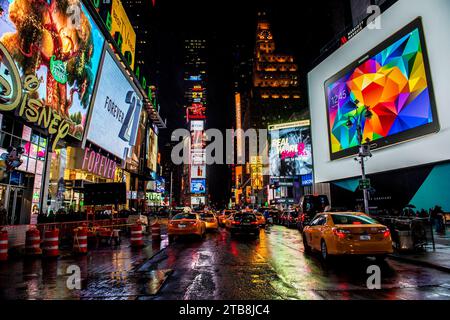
(198, 186)
(393, 82)
(62, 52)
(116, 110)
(290, 151)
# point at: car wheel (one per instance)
(305, 244)
(324, 250)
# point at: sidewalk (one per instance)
(107, 272)
(438, 259)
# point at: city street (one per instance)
(275, 267)
(218, 268)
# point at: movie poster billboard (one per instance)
(290, 150)
(55, 59)
(152, 149)
(116, 110)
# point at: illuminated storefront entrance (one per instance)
(72, 169)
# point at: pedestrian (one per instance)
(3, 215)
(440, 224)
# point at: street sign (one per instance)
(364, 184)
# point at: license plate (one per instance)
(365, 238)
(181, 226)
(246, 224)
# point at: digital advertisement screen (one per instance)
(290, 151)
(198, 186)
(116, 110)
(393, 81)
(198, 172)
(152, 149)
(196, 201)
(65, 61)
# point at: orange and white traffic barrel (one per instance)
(136, 236)
(156, 231)
(80, 240)
(3, 245)
(33, 242)
(51, 243)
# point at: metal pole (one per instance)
(366, 196)
(363, 169)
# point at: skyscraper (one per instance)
(276, 88)
(194, 186)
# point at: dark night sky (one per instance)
(300, 30)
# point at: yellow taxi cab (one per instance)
(229, 219)
(186, 223)
(347, 233)
(223, 217)
(210, 220)
(260, 219)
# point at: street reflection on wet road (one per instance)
(275, 267)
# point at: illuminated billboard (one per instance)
(197, 125)
(196, 201)
(393, 81)
(116, 110)
(196, 112)
(198, 157)
(152, 149)
(62, 55)
(118, 24)
(198, 172)
(198, 186)
(290, 149)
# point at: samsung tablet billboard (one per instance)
(400, 73)
(116, 111)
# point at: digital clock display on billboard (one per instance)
(393, 82)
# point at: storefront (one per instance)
(20, 189)
(72, 169)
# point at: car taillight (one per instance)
(254, 222)
(386, 233)
(303, 217)
(340, 233)
(235, 222)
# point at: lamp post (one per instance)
(364, 148)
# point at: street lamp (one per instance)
(364, 148)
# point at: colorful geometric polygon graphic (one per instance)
(392, 84)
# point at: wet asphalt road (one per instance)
(275, 267)
(219, 267)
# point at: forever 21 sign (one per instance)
(98, 164)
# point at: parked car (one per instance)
(347, 233)
(184, 224)
(210, 220)
(244, 223)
